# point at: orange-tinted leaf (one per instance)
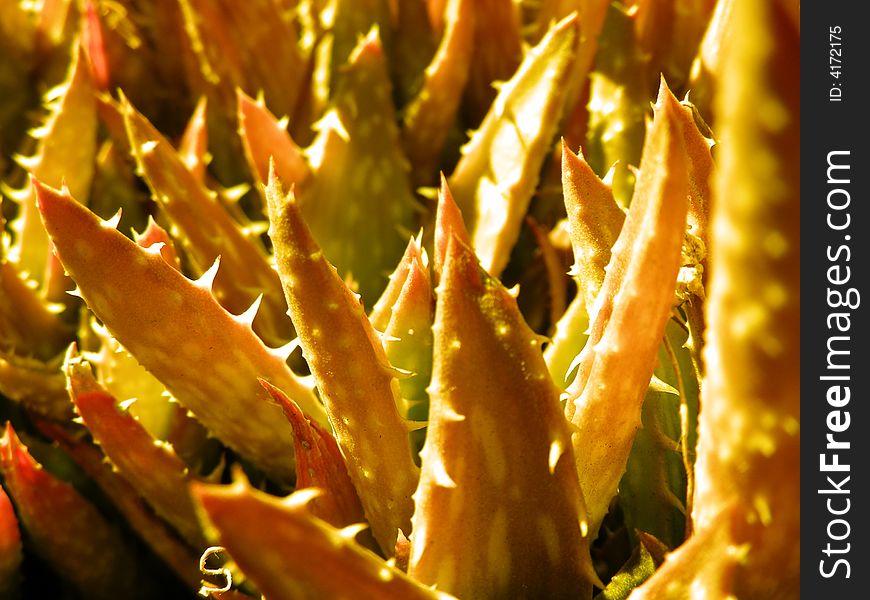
(290, 555)
(448, 223)
(266, 139)
(748, 467)
(354, 378)
(383, 309)
(498, 172)
(177, 330)
(150, 466)
(66, 150)
(499, 506)
(209, 231)
(319, 464)
(10, 548)
(617, 362)
(153, 530)
(193, 147)
(429, 116)
(66, 530)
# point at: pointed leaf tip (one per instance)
(448, 223)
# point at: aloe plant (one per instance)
(288, 310)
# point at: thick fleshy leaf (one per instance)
(448, 223)
(38, 386)
(10, 548)
(644, 560)
(706, 67)
(383, 308)
(319, 464)
(749, 427)
(591, 16)
(408, 344)
(153, 530)
(177, 330)
(265, 139)
(412, 46)
(359, 202)
(67, 531)
(227, 39)
(28, 323)
(429, 116)
(290, 554)
(499, 506)
(497, 175)
(594, 221)
(497, 51)
(150, 466)
(121, 374)
(356, 382)
(65, 153)
(193, 147)
(209, 231)
(617, 362)
(618, 102)
(669, 33)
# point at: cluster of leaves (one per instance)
(512, 412)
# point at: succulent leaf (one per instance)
(10, 548)
(193, 147)
(265, 139)
(594, 221)
(448, 224)
(66, 530)
(65, 154)
(428, 117)
(383, 308)
(497, 53)
(616, 364)
(496, 177)
(209, 230)
(319, 464)
(226, 38)
(154, 531)
(290, 554)
(38, 386)
(176, 329)
(354, 378)
(150, 466)
(498, 497)
(749, 426)
(29, 324)
(408, 343)
(360, 175)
